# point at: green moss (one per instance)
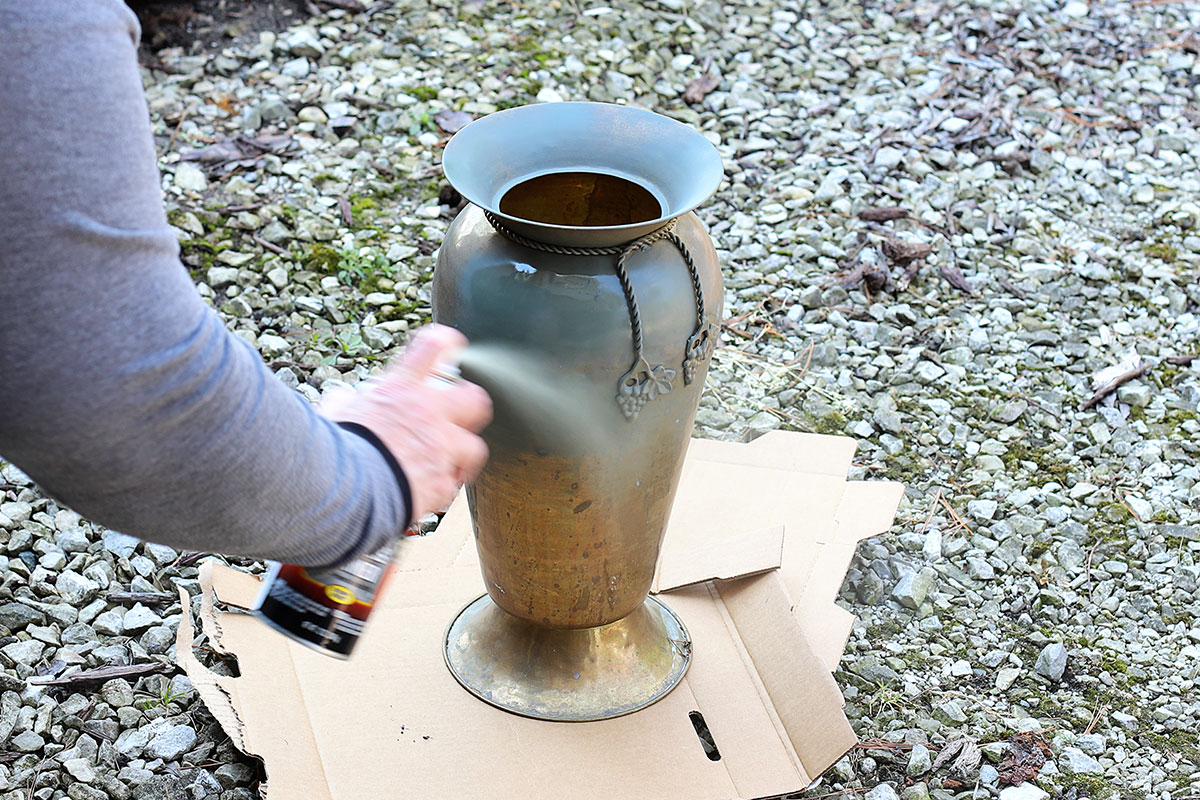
(832, 423)
(360, 203)
(1166, 374)
(321, 259)
(1177, 417)
(1090, 786)
(425, 93)
(177, 216)
(884, 629)
(395, 312)
(1048, 466)
(1038, 549)
(1116, 512)
(1161, 251)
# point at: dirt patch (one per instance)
(203, 26)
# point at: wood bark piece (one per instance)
(901, 252)
(102, 674)
(956, 278)
(146, 598)
(700, 88)
(883, 214)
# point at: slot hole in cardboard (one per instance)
(705, 736)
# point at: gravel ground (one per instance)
(1031, 616)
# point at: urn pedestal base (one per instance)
(568, 675)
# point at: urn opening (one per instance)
(493, 156)
(586, 199)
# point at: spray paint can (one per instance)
(324, 609)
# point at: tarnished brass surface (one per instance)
(571, 542)
(568, 536)
(568, 675)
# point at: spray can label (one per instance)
(324, 609)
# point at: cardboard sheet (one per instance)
(760, 538)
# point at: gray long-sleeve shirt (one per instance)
(121, 392)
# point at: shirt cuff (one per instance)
(397, 470)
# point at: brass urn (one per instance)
(580, 250)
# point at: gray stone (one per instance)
(80, 769)
(888, 419)
(27, 742)
(883, 791)
(119, 544)
(16, 511)
(220, 277)
(26, 652)
(273, 346)
(1070, 555)
(132, 742)
(161, 554)
(10, 707)
(831, 185)
(873, 669)
(75, 588)
(759, 424)
(79, 634)
(950, 712)
(304, 42)
(982, 509)
(189, 177)
(16, 616)
(1074, 761)
(1052, 661)
(1024, 791)
(919, 761)
(117, 693)
(1091, 743)
(1135, 393)
(1010, 412)
(204, 784)
(139, 618)
(932, 547)
(1006, 677)
(73, 540)
(910, 592)
(171, 742)
(918, 791)
(231, 775)
(980, 569)
(110, 623)
(376, 338)
(157, 640)
(82, 791)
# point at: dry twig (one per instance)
(274, 248)
(1112, 385)
(102, 674)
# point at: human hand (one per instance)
(430, 425)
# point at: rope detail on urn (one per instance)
(643, 382)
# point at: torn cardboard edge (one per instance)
(775, 518)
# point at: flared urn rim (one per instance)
(672, 160)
